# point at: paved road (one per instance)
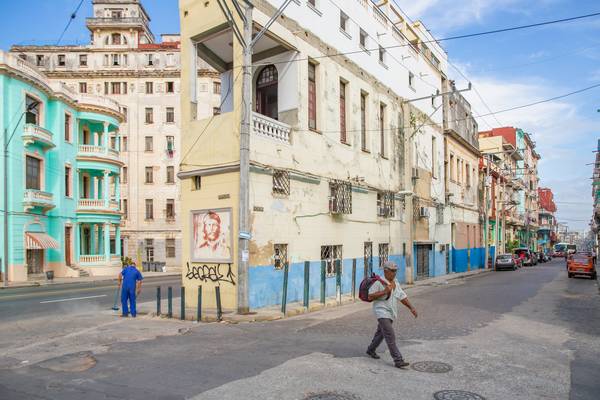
(30, 302)
(527, 334)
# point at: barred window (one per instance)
(368, 256)
(331, 254)
(281, 182)
(386, 204)
(340, 197)
(384, 252)
(280, 255)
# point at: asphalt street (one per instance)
(526, 334)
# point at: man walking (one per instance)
(131, 280)
(385, 307)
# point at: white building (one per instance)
(124, 62)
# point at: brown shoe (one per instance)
(401, 364)
(372, 354)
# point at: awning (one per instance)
(39, 240)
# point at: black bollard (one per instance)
(354, 279)
(285, 286)
(158, 301)
(182, 311)
(170, 302)
(306, 283)
(199, 309)
(219, 310)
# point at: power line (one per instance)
(73, 16)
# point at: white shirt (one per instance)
(383, 308)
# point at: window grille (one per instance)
(384, 252)
(280, 255)
(386, 204)
(340, 197)
(281, 182)
(368, 257)
(331, 254)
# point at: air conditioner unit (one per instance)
(423, 212)
(415, 173)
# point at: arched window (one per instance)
(266, 92)
(116, 38)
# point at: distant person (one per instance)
(130, 279)
(385, 307)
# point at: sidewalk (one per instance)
(273, 313)
(86, 279)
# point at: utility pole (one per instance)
(5, 203)
(486, 210)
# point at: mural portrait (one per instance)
(211, 236)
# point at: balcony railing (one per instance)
(98, 151)
(38, 198)
(108, 21)
(91, 259)
(34, 133)
(271, 128)
(97, 204)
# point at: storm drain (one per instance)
(456, 395)
(331, 395)
(434, 367)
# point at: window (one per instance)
(125, 143)
(170, 144)
(82, 87)
(217, 87)
(433, 157)
(312, 96)
(340, 197)
(363, 122)
(382, 129)
(124, 174)
(386, 204)
(115, 87)
(23, 57)
(116, 38)
(170, 115)
(266, 92)
(170, 59)
(170, 248)
(68, 127)
(33, 173)
(149, 115)
(170, 87)
(343, 137)
(382, 55)
(32, 111)
(39, 60)
(368, 257)
(343, 21)
(83, 60)
(149, 209)
(170, 174)
(106, 87)
(116, 14)
(362, 39)
(216, 110)
(451, 172)
(124, 208)
(280, 257)
(196, 182)
(148, 143)
(281, 182)
(149, 244)
(411, 80)
(332, 256)
(149, 88)
(468, 174)
(170, 210)
(150, 59)
(149, 174)
(384, 251)
(115, 59)
(67, 181)
(61, 60)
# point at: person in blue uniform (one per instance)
(130, 280)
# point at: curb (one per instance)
(107, 279)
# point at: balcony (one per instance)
(115, 22)
(271, 129)
(37, 198)
(88, 150)
(36, 134)
(91, 205)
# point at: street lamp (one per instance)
(29, 107)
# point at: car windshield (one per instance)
(505, 257)
(581, 258)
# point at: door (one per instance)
(68, 246)
(86, 187)
(85, 241)
(423, 261)
(35, 261)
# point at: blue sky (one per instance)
(508, 69)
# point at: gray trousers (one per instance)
(385, 330)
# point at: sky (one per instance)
(507, 69)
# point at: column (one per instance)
(93, 239)
(76, 182)
(77, 242)
(118, 240)
(118, 188)
(118, 141)
(105, 188)
(107, 242)
(105, 138)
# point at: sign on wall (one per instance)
(211, 236)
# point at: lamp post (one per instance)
(7, 140)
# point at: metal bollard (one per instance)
(354, 279)
(170, 302)
(158, 301)
(199, 309)
(219, 310)
(338, 281)
(323, 287)
(306, 283)
(182, 311)
(285, 285)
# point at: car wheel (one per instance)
(569, 275)
(594, 276)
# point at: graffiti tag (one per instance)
(211, 273)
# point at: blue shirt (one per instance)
(130, 276)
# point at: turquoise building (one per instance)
(62, 206)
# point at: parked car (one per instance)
(581, 264)
(525, 255)
(506, 261)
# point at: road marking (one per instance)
(73, 298)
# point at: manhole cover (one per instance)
(435, 367)
(456, 395)
(77, 362)
(331, 396)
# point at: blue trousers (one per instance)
(128, 294)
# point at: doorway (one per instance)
(35, 261)
(423, 261)
(68, 246)
(266, 92)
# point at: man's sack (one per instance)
(365, 286)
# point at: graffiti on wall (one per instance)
(211, 273)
